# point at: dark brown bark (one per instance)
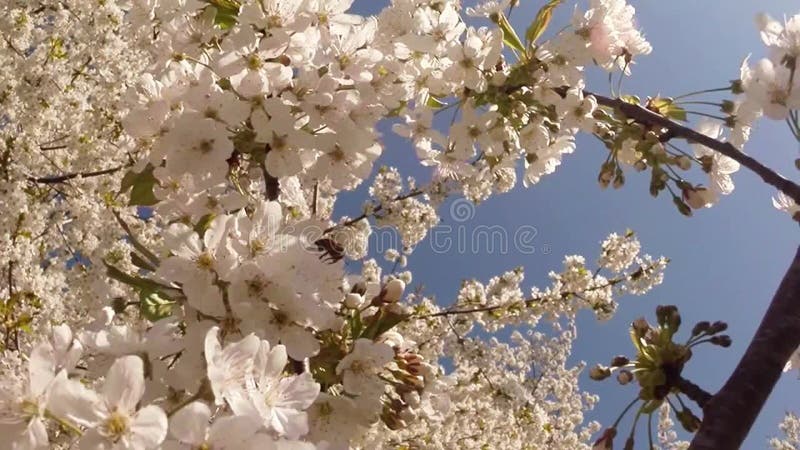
(729, 415)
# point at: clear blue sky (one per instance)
(726, 261)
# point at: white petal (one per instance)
(71, 400)
(226, 368)
(190, 423)
(300, 343)
(148, 428)
(229, 431)
(284, 444)
(124, 383)
(289, 423)
(261, 442)
(33, 437)
(41, 368)
(93, 440)
(299, 391)
(269, 363)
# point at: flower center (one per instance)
(205, 261)
(115, 426)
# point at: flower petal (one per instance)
(190, 423)
(124, 384)
(148, 428)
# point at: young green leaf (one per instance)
(540, 23)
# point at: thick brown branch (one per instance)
(729, 415)
(69, 176)
(674, 129)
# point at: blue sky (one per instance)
(726, 261)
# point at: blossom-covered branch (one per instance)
(675, 130)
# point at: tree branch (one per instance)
(729, 415)
(646, 117)
(378, 208)
(69, 176)
(694, 392)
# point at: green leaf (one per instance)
(204, 223)
(666, 107)
(225, 12)
(632, 99)
(131, 280)
(434, 102)
(356, 325)
(226, 4)
(141, 263)
(225, 19)
(153, 306)
(381, 322)
(24, 323)
(510, 37)
(141, 187)
(540, 23)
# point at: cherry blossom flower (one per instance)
(227, 367)
(278, 401)
(360, 367)
(113, 419)
(718, 166)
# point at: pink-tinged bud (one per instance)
(606, 441)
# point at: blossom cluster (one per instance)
(176, 273)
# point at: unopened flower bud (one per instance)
(599, 373)
(393, 291)
(606, 175)
(722, 340)
(640, 327)
(737, 87)
(700, 328)
(728, 107)
(619, 179)
(624, 377)
(619, 361)
(684, 162)
(717, 327)
(353, 301)
(668, 316)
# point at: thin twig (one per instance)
(69, 176)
